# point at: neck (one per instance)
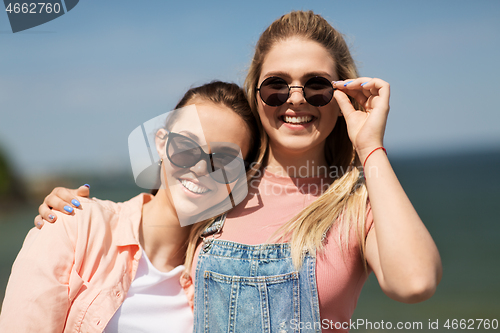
(161, 234)
(303, 164)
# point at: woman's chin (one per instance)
(295, 144)
(188, 204)
(187, 212)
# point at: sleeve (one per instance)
(187, 285)
(36, 298)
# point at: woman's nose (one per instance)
(296, 96)
(201, 168)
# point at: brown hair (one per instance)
(231, 96)
(345, 200)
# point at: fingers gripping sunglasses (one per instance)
(223, 167)
(275, 91)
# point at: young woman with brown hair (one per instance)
(116, 267)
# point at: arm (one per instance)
(37, 294)
(62, 200)
(399, 248)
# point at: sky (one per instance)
(73, 89)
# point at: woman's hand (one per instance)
(366, 128)
(60, 199)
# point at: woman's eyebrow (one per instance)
(226, 149)
(320, 73)
(308, 75)
(190, 135)
(277, 73)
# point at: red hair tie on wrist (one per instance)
(374, 150)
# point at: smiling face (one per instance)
(296, 126)
(216, 129)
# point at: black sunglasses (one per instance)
(274, 91)
(223, 167)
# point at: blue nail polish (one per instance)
(87, 185)
(39, 224)
(362, 84)
(51, 217)
(68, 209)
(348, 83)
(75, 203)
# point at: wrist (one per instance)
(375, 150)
(365, 151)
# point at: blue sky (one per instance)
(73, 89)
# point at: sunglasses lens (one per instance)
(318, 91)
(227, 167)
(274, 91)
(224, 167)
(183, 152)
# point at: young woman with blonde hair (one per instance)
(296, 253)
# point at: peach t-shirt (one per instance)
(271, 202)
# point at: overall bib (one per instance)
(253, 288)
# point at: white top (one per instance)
(155, 302)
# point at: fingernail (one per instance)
(345, 84)
(75, 203)
(38, 224)
(362, 84)
(87, 185)
(51, 217)
(68, 209)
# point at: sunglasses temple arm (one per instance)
(147, 144)
(228, 187)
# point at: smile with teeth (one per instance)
(195, 188)
(297, 120)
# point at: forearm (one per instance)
(407, 262)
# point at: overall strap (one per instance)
(213, 229)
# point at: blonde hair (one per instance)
(344, 203)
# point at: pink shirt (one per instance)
(270, 204)
(71, 276)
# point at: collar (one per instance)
(130, 218)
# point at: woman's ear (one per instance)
(161, 141)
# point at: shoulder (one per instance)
(91, 209)
(91, 213)
(94, 217)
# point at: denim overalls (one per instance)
(253, 288)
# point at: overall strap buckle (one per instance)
(212, 230)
